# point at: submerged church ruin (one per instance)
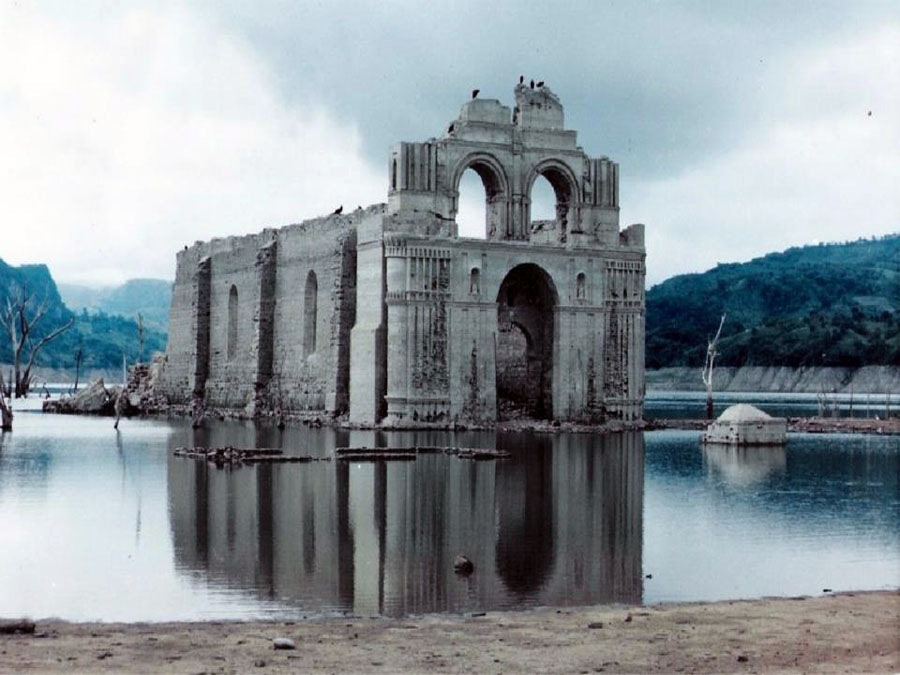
(387, 315)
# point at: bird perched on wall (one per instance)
(540, 84)
(450, 128)
(338, 210)
(521, 79)
(532, 84)
(475, 92)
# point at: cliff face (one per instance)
(872, 379)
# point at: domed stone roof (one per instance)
(743, 412)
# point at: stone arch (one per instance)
(565, 186)
(232, 336)
(496, 190)
(526, 301)
(310, 311)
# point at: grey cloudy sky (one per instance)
(129, 130)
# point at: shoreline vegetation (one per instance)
(852, 631)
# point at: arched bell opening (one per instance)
(480, 204)
(525, 335)
(558, 221)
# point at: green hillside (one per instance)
(148, 297)
(826, 305)
(102, 337)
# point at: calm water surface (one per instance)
(100, 525)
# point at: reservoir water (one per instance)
(96, 524)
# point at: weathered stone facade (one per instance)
(387, 314)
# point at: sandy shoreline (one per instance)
(858, 632)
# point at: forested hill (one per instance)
(825, 305)
(101, 337)
(148, 297)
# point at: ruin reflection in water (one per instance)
(744, 466)
(559, 523)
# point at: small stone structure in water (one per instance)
(744, 424)
(387, 315)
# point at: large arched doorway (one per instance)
(525, 304)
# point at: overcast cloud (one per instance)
(128, 131)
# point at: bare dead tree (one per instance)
(707, 373)
(850, 411)
(6, 415)
(19, 317)
(78, 357)
(140, 338)
(822, 402)
(119, 406)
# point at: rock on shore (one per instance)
(95, 399)
(139, 395)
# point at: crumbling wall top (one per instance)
(486, 110)
(538, 108)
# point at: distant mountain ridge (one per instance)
(103, 338)
(149, 297)
(825, 305)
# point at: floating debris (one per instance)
(230, 455)
(364, 454)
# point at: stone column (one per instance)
(397, 338)
(201, 302)
(367, 339)
(264, 321)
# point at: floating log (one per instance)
(377, 457)
(408, 454)
(374, 452)
(232, 455)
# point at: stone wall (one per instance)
(247, 336)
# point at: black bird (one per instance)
(532, 84)
(450, 128)
(521, 79)
(338, 210)
(475, 92)
(540, 84)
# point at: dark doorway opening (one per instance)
(524, 357)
